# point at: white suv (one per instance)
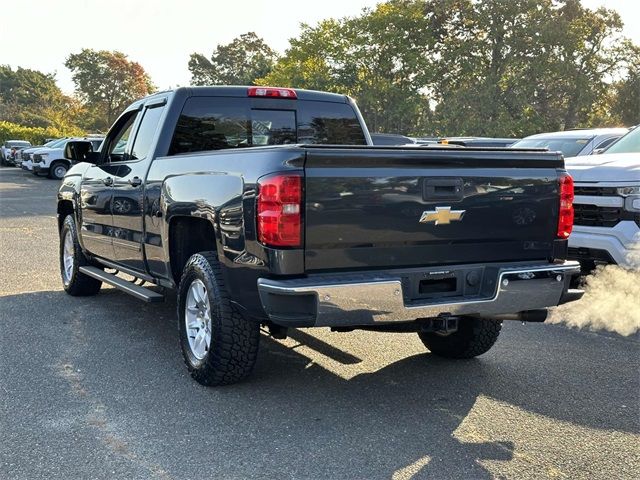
(607, 205)
(51, 161)
(23, 157)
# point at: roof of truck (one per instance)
(241, 91)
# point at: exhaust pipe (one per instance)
(538, 316)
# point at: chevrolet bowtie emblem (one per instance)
(441, 215)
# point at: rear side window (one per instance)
(211, 123)
(215, 123)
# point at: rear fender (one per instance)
(214, 196)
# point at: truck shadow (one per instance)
(400, 418)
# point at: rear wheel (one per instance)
(75, 282)
(58, 170)
(474, 337)
(219, 345)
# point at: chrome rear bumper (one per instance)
(366, 299)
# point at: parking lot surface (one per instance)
(95, 388)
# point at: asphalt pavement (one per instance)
(95, 388)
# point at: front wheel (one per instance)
(75, 282)
(219, 345)
(474, 337)
(58, 170)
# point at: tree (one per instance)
(626, 103)
(466, 67)
(239, 62)
(382, 58)
(527, 66)
(32, 98)
(107, 82)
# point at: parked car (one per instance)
(436, 241)
(13, 155)
(391, 139)
(5, 149)
(51, 161)
(607, 205)
(24, 158)
(573, 143)
(487, 142)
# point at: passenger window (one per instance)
(273, 127)
(211, 124)
(146, 132)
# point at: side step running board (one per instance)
(137, 291)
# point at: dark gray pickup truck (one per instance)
(269, 206)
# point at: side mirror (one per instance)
(81, 151)
(597, 151)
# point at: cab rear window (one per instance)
(215, 123)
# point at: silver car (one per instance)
(573, 143)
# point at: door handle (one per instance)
(108, 181)
(135, 181)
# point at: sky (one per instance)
(161, 34)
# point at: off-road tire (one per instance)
(79, 284)
(474, 337)
(234, 339)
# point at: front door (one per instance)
(96, 226)
(128, 197)
(97, 231)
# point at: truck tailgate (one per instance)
(371, 207)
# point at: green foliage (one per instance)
(626, 103)
(35, 135)
(381, 58)
(107, 82)
(466, 67)
(239, 62)
(32, 98)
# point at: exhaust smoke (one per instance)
(611, 301)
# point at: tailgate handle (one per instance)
(443, 189)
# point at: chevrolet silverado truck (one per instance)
(607, 206)
(270, 207)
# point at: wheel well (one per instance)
(188, 235)
(65, 207)
(60, 160)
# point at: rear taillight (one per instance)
(272, 92)
(279, 210)
(565, 215)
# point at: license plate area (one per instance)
(462, 282)
(438, 286)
